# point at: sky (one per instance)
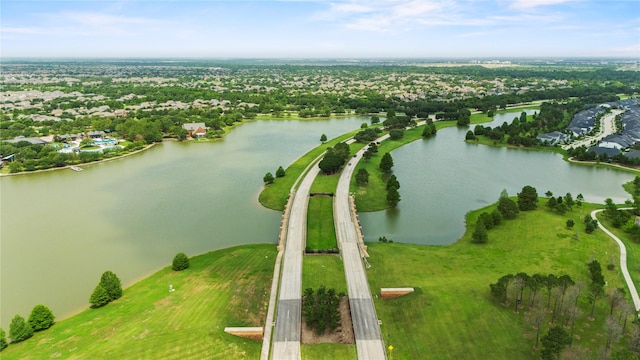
(321, 29)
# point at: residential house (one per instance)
(195, 129)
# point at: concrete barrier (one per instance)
(254, 333)
(390, 293)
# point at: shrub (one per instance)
(99, 297)
(41, 318)
(111, 283)
(180, 262)
(19, 330)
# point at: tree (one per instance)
(393, 197)
(570, 224)
(41, 318)
(386, 163)
(463, 120)
(99, 297)
(19, 329)
(393, 182)
(396, 134)
(180, 262)
(579, 200)
(468, 136)
(613, 331)
(552, 203)
(362, 177)
(568, 200)
(595, 291)
(375, 120)
(321, 309)
(537, 318)
(554, 342)
(323, 138)
(480, 235)
(280, 172)
(527, 198)
(111, 284)
(331, 162)
(268, 178)
(507, 208)
(3, 340)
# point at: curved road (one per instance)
(623, 261)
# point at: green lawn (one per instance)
(228, 287)
(327, 270)
(451, 314)
(321, 232)
(328, 351)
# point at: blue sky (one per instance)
(321, 29)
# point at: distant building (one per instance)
(195, 129)
(32, 140)
(552, 138)
(610, 152)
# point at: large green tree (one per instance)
(528, 198)
(111, 283)
(180, 262)
(393, 197)
(554, 342)
(268, 178)
(331, 162)
(386, 163)
(507, 208)
(19, 329)
(280, 172)
(362, 177)
(99, 297)
(480, 235)
(393, 182)
(41, 318)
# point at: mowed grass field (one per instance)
(321, 231)
(451, 315)
(228, 287)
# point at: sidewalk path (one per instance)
(623, 261)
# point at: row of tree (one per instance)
(561, 308)
(41, 318)
(268, 177)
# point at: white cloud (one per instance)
(527, 4)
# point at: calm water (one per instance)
(60, 230)
(443, 178)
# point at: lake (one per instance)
(60, 230)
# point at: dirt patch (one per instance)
(342, 335)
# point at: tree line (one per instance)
(555, 301)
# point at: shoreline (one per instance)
(82, 164)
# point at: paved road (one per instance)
(286, 337)
(369, 342)
(623, 261)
